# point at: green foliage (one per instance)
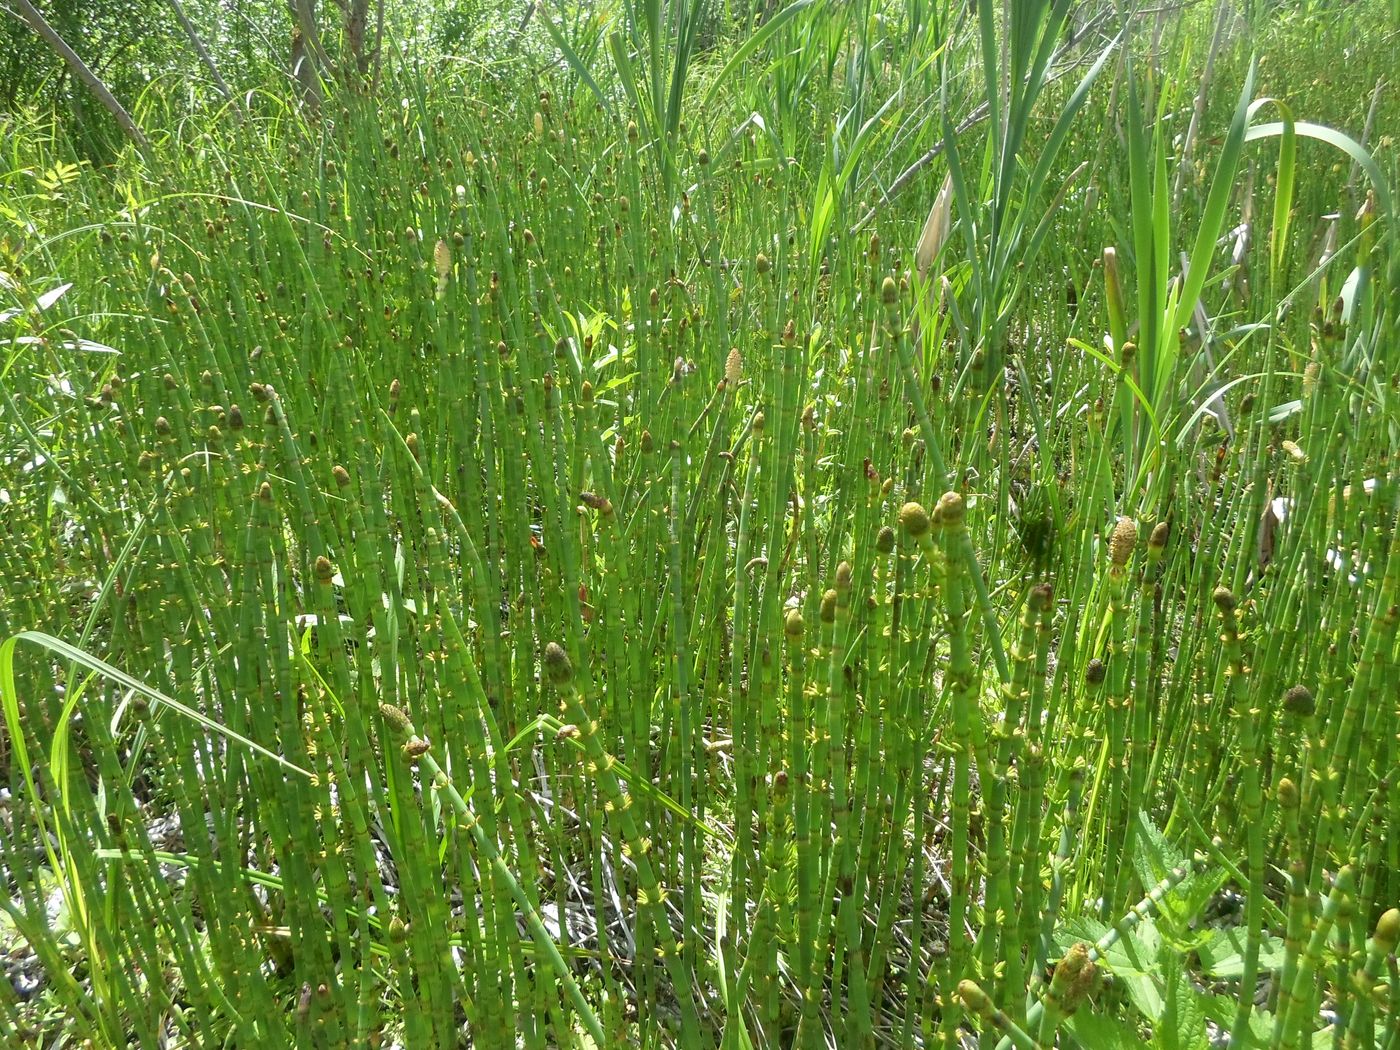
(129, 42)
(589, 546)
(1162, 962)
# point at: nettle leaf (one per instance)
(1222, 952)
(1183, 907)
(1220, 1009)
(1144, 993)
(1154, 859)
(1132, 959)
(1082, 928)
(1183, 1022)
(1103, 1032)
(1142, 944)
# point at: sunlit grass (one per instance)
(511, 567)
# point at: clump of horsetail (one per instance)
(590, 417)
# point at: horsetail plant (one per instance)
(572, 551)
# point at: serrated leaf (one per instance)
(1222, 954)
(1220, 1009)
(1183, 906)
(1103, 1032)
(1131, 959)
(1135, 949)
(1154, 857)
(1144, 993)
(1083, 928)
(1183, 1021)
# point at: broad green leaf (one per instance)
(1155, 858)
(1220, 1010)
(1182, 1025)
(1222, 955)
(1103, 1031)
(1131, 959)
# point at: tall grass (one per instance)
(510, 568)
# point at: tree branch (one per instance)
(202, 51)
(30, 15)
